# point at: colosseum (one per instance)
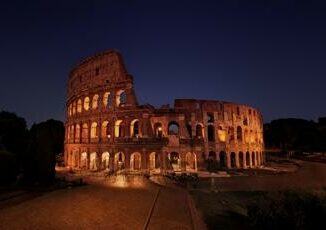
(106, 128)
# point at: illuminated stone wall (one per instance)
(106, 128)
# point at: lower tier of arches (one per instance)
(161, 161)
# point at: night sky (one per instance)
(268, 54)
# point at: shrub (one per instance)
(288, 210)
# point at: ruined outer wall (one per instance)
(106, 128)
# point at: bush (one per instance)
(8, 168)
(288, 210)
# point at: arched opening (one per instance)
(93, 161)
(212, 155)
(79, 106)
(211, 133)
(105, 130)
(233, 160)
(119, 161)
(72, 133)
(241, 159)
(107, 99)
(135, 161)
(175, 161)
(221, 134)
(85, 133)
(83, 160)
(153, 161)
(121, 98)
(210, 117)
(105, 160)
(222, 160)
(258, 158)
(173, 128)
(86, 103)
(239, 134)
(134, 128)
(77, 133)
(191, 162)
(74, 108)
(248, 159)
(158, 130)
(94, 130)
(95, 101)
(118, 128)
(253, 158)
(199, 131)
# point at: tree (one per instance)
(46, 141)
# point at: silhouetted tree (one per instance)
(46, 140)
(295, 134)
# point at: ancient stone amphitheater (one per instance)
(106, 128)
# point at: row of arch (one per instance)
(153, 161)
(88, 103)
(93, 131)
(237, 159)
(83, 132)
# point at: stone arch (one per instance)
(83, 160)
(119, 161)
(191, 161)
(94, 130)
(199, 130)
(175, 161)
(79, 106)
(118, 130)
(86, 103)
(107, 99)
(74, 108)
(135, 161)
(134, 128)
(258, 158)
(248, 160)
(221, 134)
(153, 161)
(233, 160)
(211, 133)
(95, 101)
(93, 161)
(223, 159)
(241, 160)
(158, 129)
(121, 98)
(105, 163)
(105, 130)
(253, 159)
(173, 128)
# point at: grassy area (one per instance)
(262, 210)
(227, 210)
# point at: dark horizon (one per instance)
(269, 55)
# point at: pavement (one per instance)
(97, 206)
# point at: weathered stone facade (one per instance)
(106, 128)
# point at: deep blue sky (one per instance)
(269, 54)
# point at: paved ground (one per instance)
(310, 175)
(100, 207)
